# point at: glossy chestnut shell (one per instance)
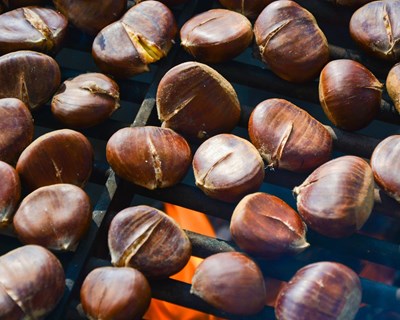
(10, 192)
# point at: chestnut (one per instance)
(10, 192)
(150, 157)
(32, 282)
(384, 163)
(30, 76)
(55, 216)
(149, 240)
(288, 137)
(393, 84)
(266, 226)
(250, 8)
(16, 129)
(322, 290)
(216, 35)
(231, 282)
(115, 293)
(60, 156)
(349, 93)
(290, 41)
(374, 27)
(89, 16)
(143, 35)
(86, 100)
(227, 167)
(337, 198)
(196, 101)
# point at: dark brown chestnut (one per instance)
(290, 41)
(60, 156)
(288, 137)
(322, 290)
(142, 36)
(86, 100)
(16, 129)
(230, 281)
(196, 101)
(149, 240)
(10, 192)
(55, 216)
(150, 157)
(227, 167)
(216, 35)
(89, 16)
(393, 85)
(249, 8)
(337, 198)
(30, 76)
(110, 293)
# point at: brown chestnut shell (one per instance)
(10, 192)
(393, 85)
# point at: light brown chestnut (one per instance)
(385, 165)
(216, 35)
(149, 240)
(150, 157)
(337, 198)
(55, 217)
(196, 101)
(115, 293)
(16, 129)
(230, 281)
(10, 192)
(30, 76)
(290, 41)
(60, 156)
(227, 167)
(393, 85)
(322, 290)
(32, 282)
(142, 36)
(249, 8)
(288, 137)
(266, 226)
(375, 28)
(86, 100)
(349, 93)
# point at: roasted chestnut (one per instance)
(150, 157)
(16, 129)
(288, 137)
(393, 85)
(216, 35)
(290, 41)
(249, 8)
(322, 290)
(147, 239)
(337, 198)
(115, 293)
(349, 93)
(196, 101)
(230, 281)
(86, 100)
(227, 167)
(10, 192)
(142, 36)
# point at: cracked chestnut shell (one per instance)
(149, 240)
(288, 137)
(142, 36)
(227, 167)
(249, 8)
(375, 27)
(393, 85)
(230, 281)
(216, 35)
(86, 100)
(10, 192)
(30, 76)
(337, 198)
(290, 41)
(150, 157)
(60, 156)
(196, 101)
(55, 216)
(322, 290)
(32, 282)
(266, 226)
(349, 93)
(115, 293)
